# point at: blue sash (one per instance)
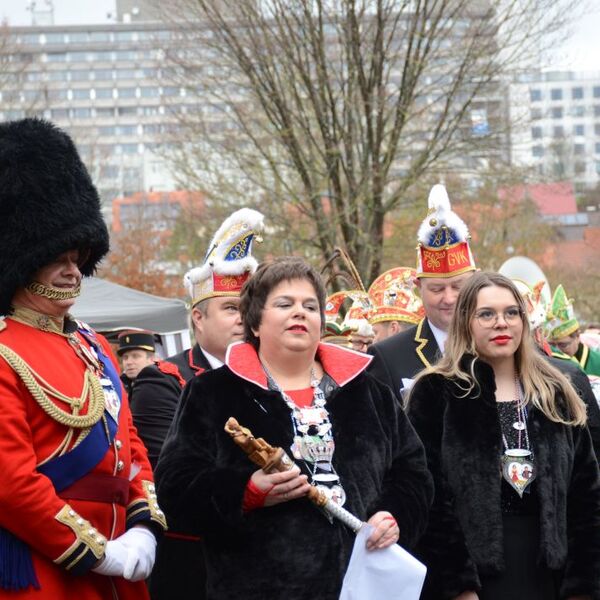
(16, 566)
(65, 470)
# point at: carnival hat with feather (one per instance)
(229, 261)
(443, 239)
(560, 320)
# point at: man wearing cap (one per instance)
(395, 305)
(444, 263)
(137, 350)
(214, 289)
(563, 332)
(78, 510)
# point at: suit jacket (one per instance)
(404, 355)
(190, 362)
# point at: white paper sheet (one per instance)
(388, 574)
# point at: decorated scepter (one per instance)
(272, 460)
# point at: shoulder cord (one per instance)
(41, 389)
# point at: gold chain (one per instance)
(39, 289)
(41, 389)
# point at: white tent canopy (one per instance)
(107, 306)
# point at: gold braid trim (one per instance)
(41, 389)
(39, 289)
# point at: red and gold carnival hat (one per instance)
(347, 312)
(393, 297)
(443, 238)
(229, 261)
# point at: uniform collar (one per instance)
(341, 364)
(61, 325)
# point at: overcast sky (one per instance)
(581, 52)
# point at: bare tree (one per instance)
(329, 113)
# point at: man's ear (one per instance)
(197, 317)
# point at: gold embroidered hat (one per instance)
(229, 261)
(394, 298)
(443, 239)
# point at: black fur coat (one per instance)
(288, 551)
(462, 439)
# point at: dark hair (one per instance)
(267, 277)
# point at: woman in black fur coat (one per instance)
(516, 513)
(262, 536)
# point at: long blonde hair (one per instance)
(540, 380)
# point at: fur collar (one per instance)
(341, 364)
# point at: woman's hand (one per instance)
(386, 531)
(281, 487)
(467, 596)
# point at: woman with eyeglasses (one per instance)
(516, 513)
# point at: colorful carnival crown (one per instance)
(229, 261)
(560, 320)
(393, 297)
(443, 237)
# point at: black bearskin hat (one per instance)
(48, 204)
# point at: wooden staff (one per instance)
(274, 460)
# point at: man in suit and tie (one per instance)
(444, 263)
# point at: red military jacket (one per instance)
(66, 536)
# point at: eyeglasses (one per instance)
(489, 318)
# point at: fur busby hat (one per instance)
(48, 204)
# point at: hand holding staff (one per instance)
(272, 460)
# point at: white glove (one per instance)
(130, 556)
(115, 557)
(141, 545)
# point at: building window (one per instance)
(149, 92)
(58, 76)
(126, 92)
(579, 130)
(99, 36)
(53, 57)
(536, 133)
(578, 111)
(556, 94)
(577, 93)
(127, 110)
(597, 91)
(81, 94)
(557, 112)
(105, 113)
(103, 93)
(537, 151)
(598, 167)
(103, 75)
(579, 167)
(125, 74)
(536, 114)
(82, 113)
(535, 95)
(558, 131)
(597, 148)
(597, 129)
(80, 75)
(59, 113)
(578, 149)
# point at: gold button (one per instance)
(120, 465)
(119, 444)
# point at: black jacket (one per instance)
(404, 355)
(289, 551)
(179, 567)
(462, 439)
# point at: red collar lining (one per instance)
(341, 364)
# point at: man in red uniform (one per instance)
(78, 510)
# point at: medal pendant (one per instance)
(518, 469)
(519, 425)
